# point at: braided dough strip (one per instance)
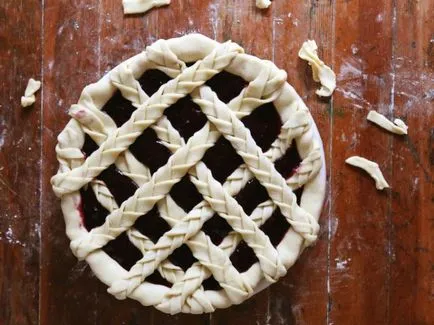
(168, 270)
(183, 296)
(72, 243)
(98, 126)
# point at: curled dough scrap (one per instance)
(397, 127)
(184, 292)
(371, 168)
(140, 6)
(321, 72)
(29, 94)
(263, 4)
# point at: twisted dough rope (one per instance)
(80, 145)
(98, 125)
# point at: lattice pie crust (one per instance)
(265, 84)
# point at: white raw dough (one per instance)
(321, 72)
(29, 94)
(398, 126)
(27, 101)
(371, 168)
(142, 6)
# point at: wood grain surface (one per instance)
(374, 260)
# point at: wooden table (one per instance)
(374, 261)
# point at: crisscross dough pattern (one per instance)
(266, 84)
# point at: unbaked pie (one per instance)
(191, 176)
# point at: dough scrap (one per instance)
(263, 4)
(371, 168)
(398, 126)
(141, 6)
(27, 101)
(29, 94)
(321, 72)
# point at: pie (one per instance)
(191, 176)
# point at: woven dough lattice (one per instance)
(265, 84)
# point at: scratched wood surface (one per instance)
(374, 260)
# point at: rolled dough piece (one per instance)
(371, 168)
(397, 127)
(263, 4)
(27, 101)
(321, 72)
(29, 94)
(141, 6)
